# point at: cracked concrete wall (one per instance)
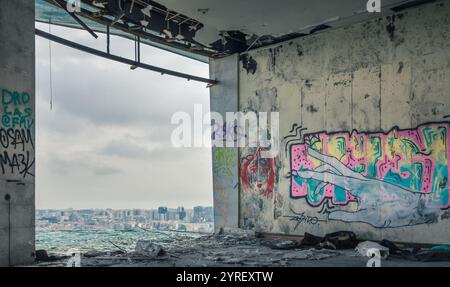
(17, 132)
(363, 130)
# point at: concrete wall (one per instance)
(224, 98)
(364, 130)
(17, 132)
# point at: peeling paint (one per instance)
(273, 57)
(312, 109)
(400, 67)
(248, 63)
(390, 28)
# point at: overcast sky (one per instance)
(106, 143)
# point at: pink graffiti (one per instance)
(391, 157)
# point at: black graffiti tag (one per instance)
(17, 162)
(302, 218)
(16, 138)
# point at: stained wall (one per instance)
(364, 130)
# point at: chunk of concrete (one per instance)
(148, 249)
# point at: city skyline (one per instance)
(197, 219)
(117, 209)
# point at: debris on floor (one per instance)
(148, 249)
(42, 256)
(441, 247)
(282, 244)
(311, 240)
(340, 240)
(436, 255)
(365, 247)
(245, 249)
(311, 254)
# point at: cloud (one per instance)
(58, 166)
(104, 171)
(109, 129)
(127, 149)
(108, 93)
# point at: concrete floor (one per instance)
(233, 251)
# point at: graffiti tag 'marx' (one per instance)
(408, 165)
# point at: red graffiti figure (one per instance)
(258, 173)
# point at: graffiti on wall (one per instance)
(228, 132)
(302, 218)
(399, 178)
(258, 173)
(224, 182)
(17, 120)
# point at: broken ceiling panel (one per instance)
(97, 18)
(213, 28)
(270, 20)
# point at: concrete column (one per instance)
(17, 132)
(224, 98)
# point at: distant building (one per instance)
(162, 218)
(172, 214)
(181, 213)
(202, 214)
(52, 219)
(162, 211)
(74, 217)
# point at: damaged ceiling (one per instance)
(213, 28)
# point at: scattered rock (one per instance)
(236, 232)
(94, 253)
(310, 254)
(148, 249)
(281, 244)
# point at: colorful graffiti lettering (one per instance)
(398, 178)
(16, 112)
(17, 120)
(258, 173)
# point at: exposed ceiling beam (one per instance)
(122, 60)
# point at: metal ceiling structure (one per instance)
(205, 29)
(58, 12)
(48, 11)
(238, 25)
